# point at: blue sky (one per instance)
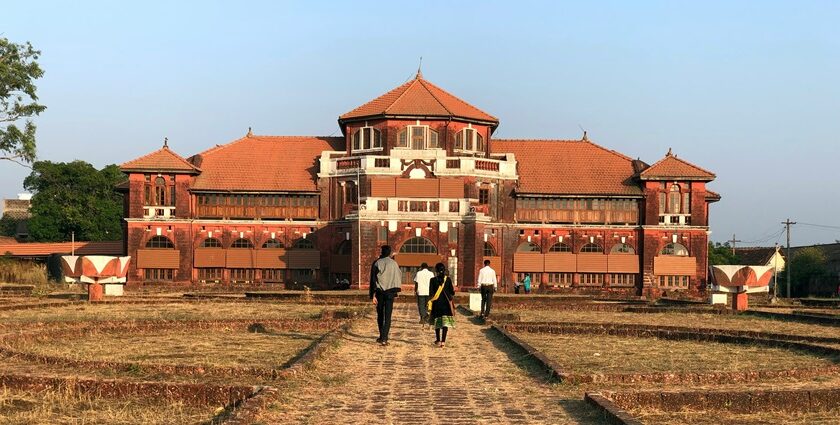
(748, 89)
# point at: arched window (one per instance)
(591, 248)
(469, 140)
(622, 248)
(418, 137)
(211, 243)
(560, 247)
(675, 249)
(242, 243)
(674, 197)
(367, 138)
(160, 191)
(418, 245)
(160, 242)
(303, 244)
(272, 243)
(528, 247)
(489, 251)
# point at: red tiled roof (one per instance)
(712, 196)
(162, 159)
(42, 249)
(673, 167)
(418, 97)
(264, 163)
(571, 167)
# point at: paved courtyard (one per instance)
(477, 378)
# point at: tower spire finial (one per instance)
(249, 133)
(669, 153)
(419, 71)
(166, 142)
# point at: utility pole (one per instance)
(788, 262)
(733, 240)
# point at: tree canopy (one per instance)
(75, 197)
(720, 254)
(806, 264)
(18, 101)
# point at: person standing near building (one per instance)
(441, 306)
(487, 285)
(385, 284)
(421, 290)
(526, 283)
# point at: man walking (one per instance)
(421, 289)
(487, 284)
(385, 283)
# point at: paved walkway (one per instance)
(477, 378)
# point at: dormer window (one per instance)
(469, 140)
(160, 190)
(418, 137)
(367, 138)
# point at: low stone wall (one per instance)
(799, 400)
(797, 317)
(612, 413)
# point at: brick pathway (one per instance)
(476, 378)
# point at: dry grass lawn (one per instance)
(231, 347)
(714, 418)
(697, 320)
(22, 407)
(165, 311)
(614, 354)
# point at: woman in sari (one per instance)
(441, 307)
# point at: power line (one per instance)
(824, 226)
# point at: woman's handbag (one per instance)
(437, 295)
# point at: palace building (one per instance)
(418, 169)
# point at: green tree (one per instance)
(74, 197)
(18, 100)
(806, 264)
(720, 254)
(8, 226)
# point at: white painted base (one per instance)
(475, 301)
(114, 290)
(717, 299)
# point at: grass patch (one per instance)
(695, 320)
(22, 272)
(167, 311)
(615, 354)
(230, 347)
(66, 407)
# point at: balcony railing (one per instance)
(675, 219)
(577, 216)
(257, 212)
(336, 164)
(152, 211)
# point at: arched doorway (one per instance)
(413, 253)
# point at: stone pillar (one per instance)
(739, 301)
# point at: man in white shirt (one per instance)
(421, 289)
(487, 284)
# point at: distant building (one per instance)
(19, 210)
(761, 256)
(418, 168)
